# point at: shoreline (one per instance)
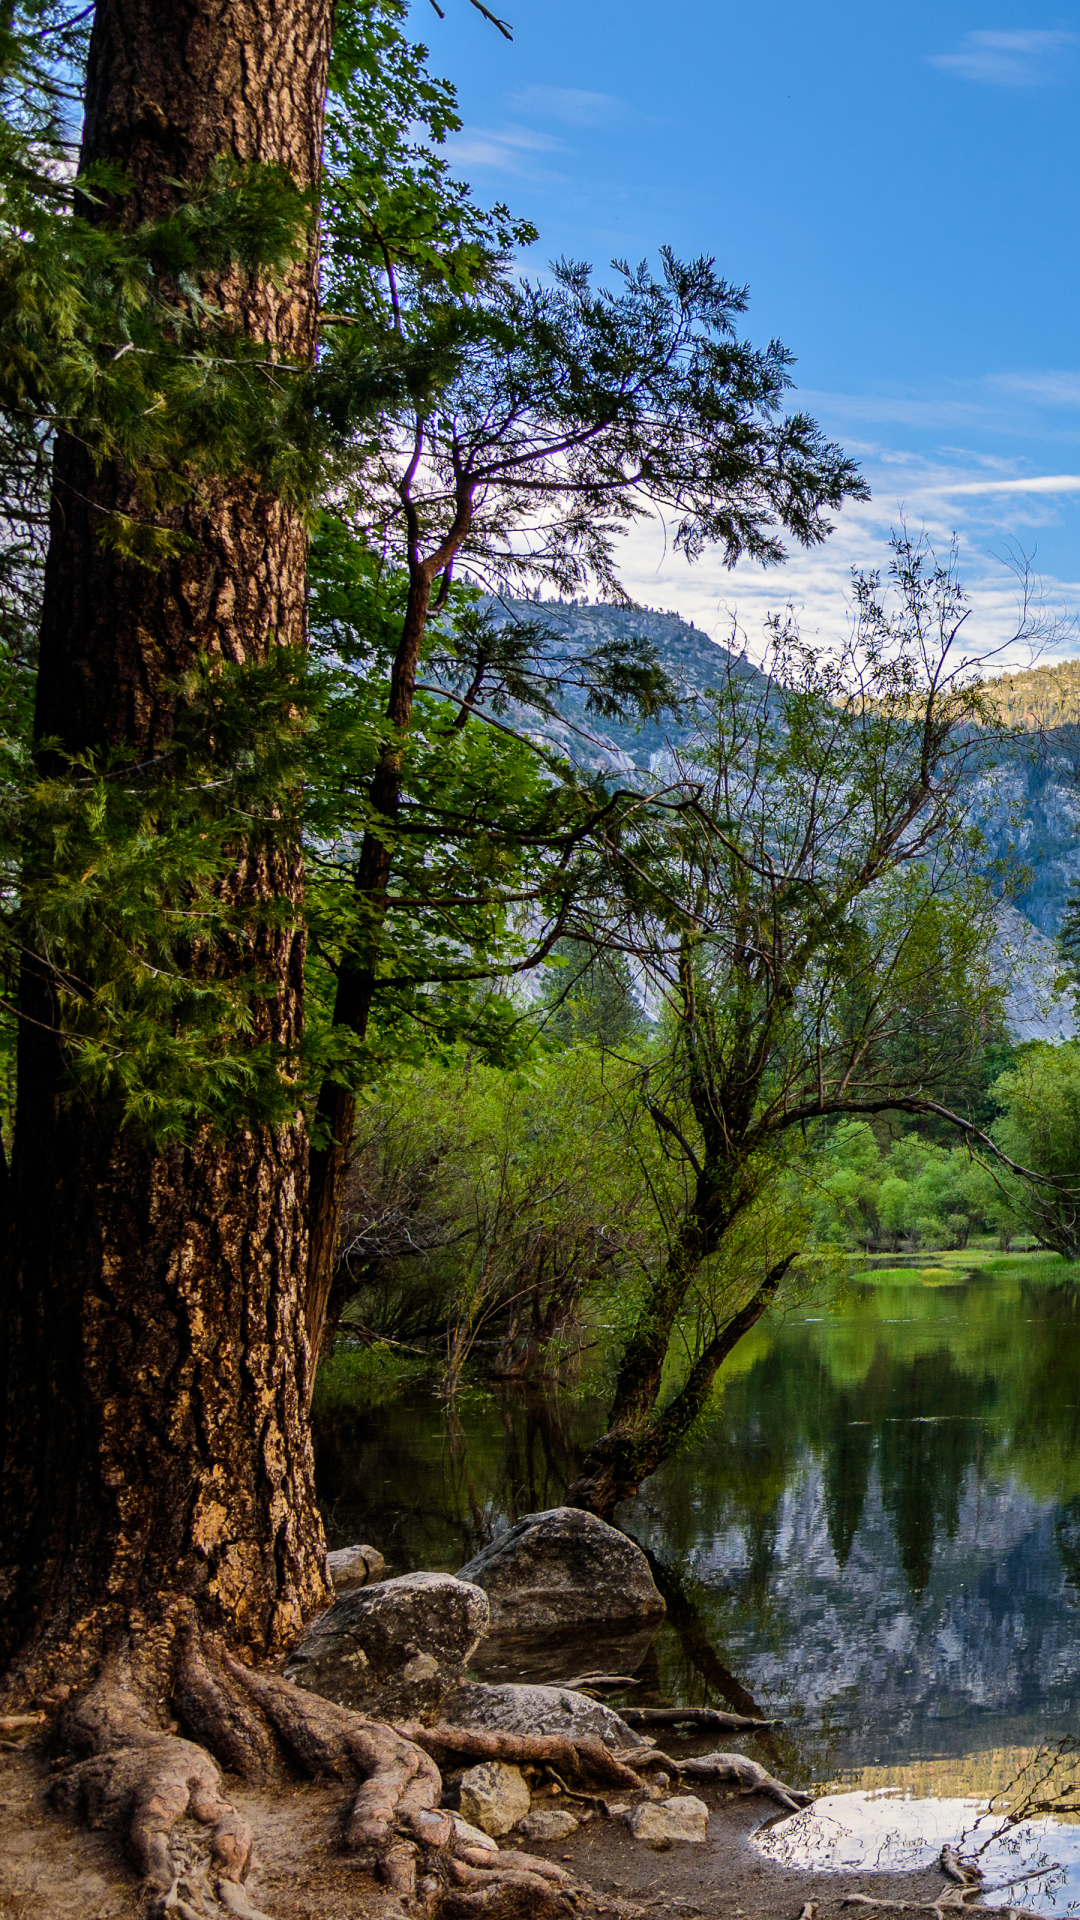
(51, 1869)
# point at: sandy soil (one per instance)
(50, 1870)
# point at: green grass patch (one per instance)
(370, 1375)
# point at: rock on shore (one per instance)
(564, 1570)
(394, 1648)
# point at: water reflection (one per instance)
(1010, 1814)
(878, 1535)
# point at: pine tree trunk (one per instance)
(153, 1361)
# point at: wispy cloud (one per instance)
(507, 148)
(571, 106)
(999, 519)
(1024, 58)
(1052, 388)
(1027, 483)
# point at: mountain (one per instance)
(1035, 697)
(1027, 802)
(688, 657)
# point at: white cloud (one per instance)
(1025, 58)
(504, 147)
(1026, 483)
(997, 522)
(1052, 389)
(573, 106)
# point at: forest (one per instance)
(385, 1053)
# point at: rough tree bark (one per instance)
(159, 1517)
(155, 1444)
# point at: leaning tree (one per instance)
(811, 905)
(528, 428)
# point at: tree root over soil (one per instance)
(691, 1717)
(590, 1758)
(123, 1763)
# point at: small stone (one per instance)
(472, 1836)
(354, 1567)
(494, 1797)
(548, 1823)
(684, 1817)
(420, 1667)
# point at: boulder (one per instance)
(396, 1648)
(511, 1709)
(350, 1567)
(683, 1817)
(564, 1571)
(494, 1797)
(548, 1823)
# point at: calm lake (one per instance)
(877, 1536)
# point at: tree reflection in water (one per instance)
(877, 1535)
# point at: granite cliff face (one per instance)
(1027, 805)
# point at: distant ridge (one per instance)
(1038, 696)
(1027, 802)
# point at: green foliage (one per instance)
(1039, 1129)
(916, 1192)
(486, 1204)
(393, 213)
(490, 839)
(117, 876)
(535, 421)
(115, 899)
(506, 1210)
(589, 996)
(809, 896)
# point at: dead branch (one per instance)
(747, 1774)
(690, 1716)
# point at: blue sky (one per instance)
(900, 189)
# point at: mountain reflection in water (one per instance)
(878, 1533)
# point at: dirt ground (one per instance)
(50, 1870)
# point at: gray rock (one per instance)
(352, 1567)
(564, 1570)
(683, 1817)
(513, 1709)
(548, 1823)
(394, 1648)
(494, 1797)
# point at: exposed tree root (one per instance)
(130, 1766)
(746, 1774)
(577, 1759)
(139, 1774)
(953, 1901)
(590, 1759)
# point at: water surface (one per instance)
(877, 1535)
